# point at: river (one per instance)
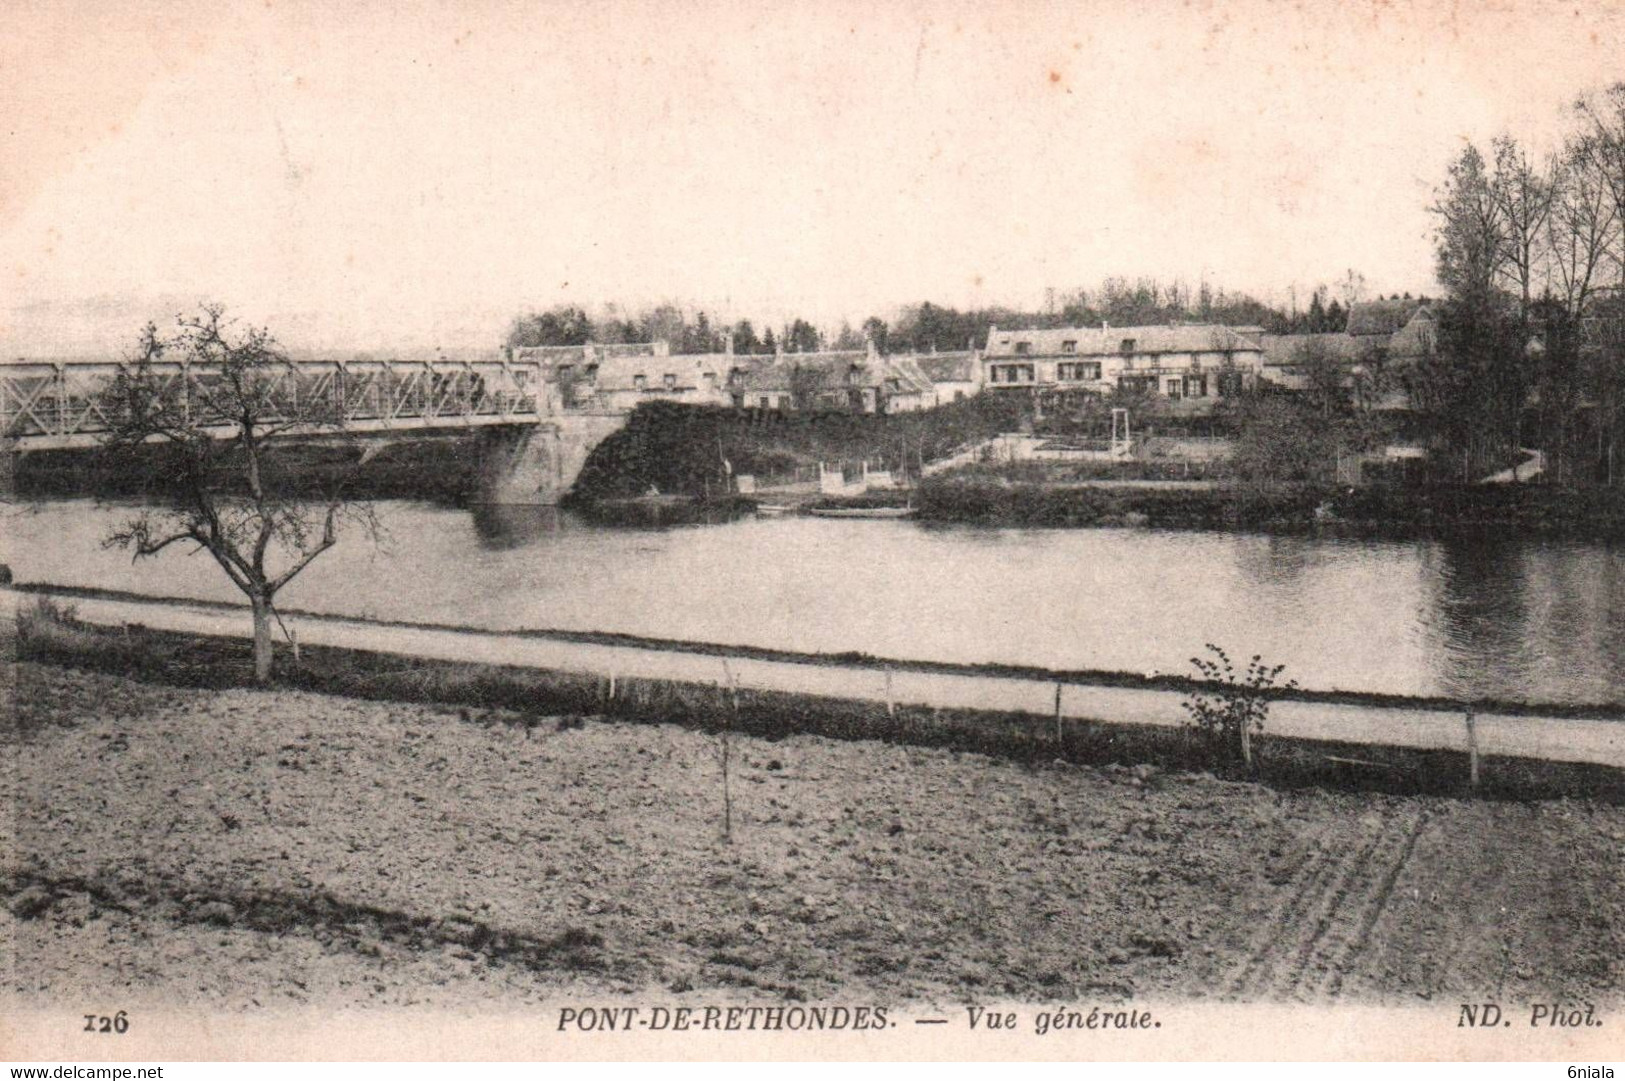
(1536, 621)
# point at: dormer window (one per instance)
(1069, 347)
(640, 382)
(1127, 345)
(592, 372)
(670, 381)
(1024, 347)
(565, 371)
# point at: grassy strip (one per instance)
(1086, 676)
(528, 698)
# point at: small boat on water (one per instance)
(862, 512)
(774, 509)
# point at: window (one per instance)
(1077, 371)
(640, 382)
(765, 402)
(1173, 388)
(670, 381)
(565, 372)
(1127, 345)
(1024, 347)
(1069, 347)
(1012, 373)
(1196, 386)
(711, 380)
(591, 372)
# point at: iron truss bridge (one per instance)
(68, 404)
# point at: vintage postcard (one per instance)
(778, 530)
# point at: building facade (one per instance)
(1180, 363)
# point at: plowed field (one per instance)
(246, 849)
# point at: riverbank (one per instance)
(1317, 738)
(238, 849)
(427, 467)
(1001, 496)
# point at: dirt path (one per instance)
(242, 849)
(1555, 739)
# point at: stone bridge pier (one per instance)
(536, 464)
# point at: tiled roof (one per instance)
(779, 372)
(1286, 350)
(1370, 317)
(948, 367)
(1098, 341)
(908, 372)
(1416, 338)
(621, 372)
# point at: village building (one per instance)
(852, 380)
(1402, 327)
(1194, 364)
(616, 377)
(954, 376)
(1289, 358)
(1382, 338)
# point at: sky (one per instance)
(379, 175)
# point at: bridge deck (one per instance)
(63, 405)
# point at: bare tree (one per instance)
(1351, 287)
(212, 407)
(1522, 192)
(1471, 235)
(1601, 146)
(1580, 237)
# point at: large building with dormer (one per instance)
(1179, 363)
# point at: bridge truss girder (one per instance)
(72, 404)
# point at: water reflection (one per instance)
(501, 528)
(1481, 614)
(1505, 618)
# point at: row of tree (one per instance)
(928, 327)
(1532, 253)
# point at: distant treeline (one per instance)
(921, 328)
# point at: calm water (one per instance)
(1529, 620)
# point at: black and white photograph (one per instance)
(772, 530)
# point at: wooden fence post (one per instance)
(1472, 750)
(891, 701)
(1058, 735)
(733, 683)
